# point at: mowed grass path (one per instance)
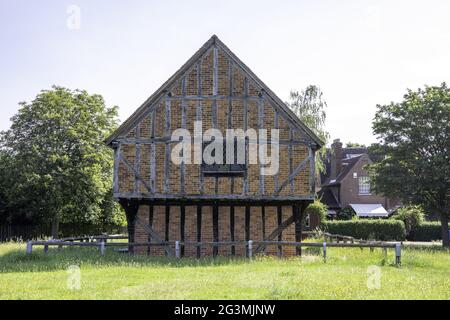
(424, 274)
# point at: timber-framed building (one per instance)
(188, 202)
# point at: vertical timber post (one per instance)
(250, 249)
(325, 252)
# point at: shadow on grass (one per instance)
(16, 260)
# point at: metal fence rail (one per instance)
(102, 243)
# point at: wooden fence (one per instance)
(22, 233)
(102, 243)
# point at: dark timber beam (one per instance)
(183, 126)
(291, 178)
(167, 150)
(137, 163)
(137, 176)
(247, 227)
(215, 229)
(182, 226)
(246, 89)
(117, 156)
(131, 209)
(277, 232)
(153, 155)
(199, 117)
(261, 126)
(232, 228)
(199, 229)
(151, 213)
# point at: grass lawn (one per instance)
(424, 274)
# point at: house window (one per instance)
(224, 169)
(364, 185)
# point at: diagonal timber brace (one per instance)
(136, 174)
(149, 230)
(276, 232)
(297, 170)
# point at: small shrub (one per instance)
(381, 230)
(426, 231)
(412, 217)
(319, 209)
(346, 214)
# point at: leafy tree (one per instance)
(355, 145)
(61, 169)
(412, 216)
(319, 209)
(310, 106)
(414, 136)
(346, 214)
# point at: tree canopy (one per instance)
(58, 167)
(414, 136)
(310, 106)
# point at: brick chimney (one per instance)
(336, 159)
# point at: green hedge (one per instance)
(426, 231)
(382, 230)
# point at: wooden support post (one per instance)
(398, 254)
(247, 224)
(215, 219)
(29, 247)
(177, 249)
(232, 229)
(182, 227)
(280, 221)
(131, 208)
(250, 249)
(325, 252)
(199, 229)
(298, 212)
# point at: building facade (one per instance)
(346, 183)
(198, 202)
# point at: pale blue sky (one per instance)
(359, 52)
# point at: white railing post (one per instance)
(102, 248)
(177, 249)
(324, 252)
(250, 248)
(398, 254)
(29, 247)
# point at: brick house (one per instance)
(164, 201)
(346, 184)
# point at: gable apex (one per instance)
(214, 41)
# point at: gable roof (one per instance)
(347, 166)
(213, 41)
